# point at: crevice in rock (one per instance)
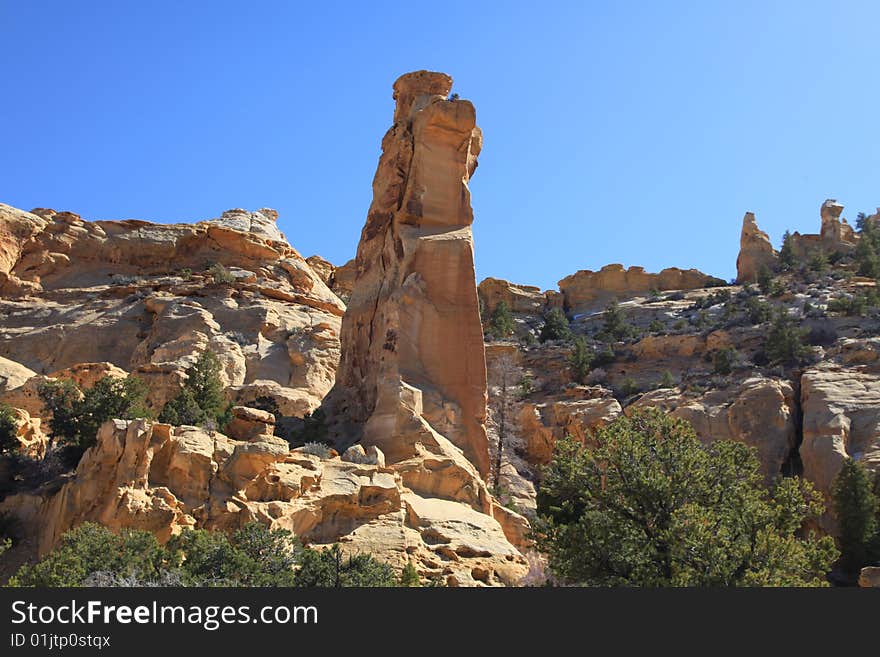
(793, 466)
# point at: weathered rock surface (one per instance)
(544, 424)
(759, 412)
(413, 318)
(524, 299)
(164, 479)
(841, 419)
(149, 298)
(588, 290)
(755, 251)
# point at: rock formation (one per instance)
(588, 290)
(755, 251)
(163, 479)
(835, 234)
(148, 298)
(524, 299)
(412, 343)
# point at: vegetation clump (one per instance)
(647, 504)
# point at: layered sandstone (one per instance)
(164, 479)
(760, 412)
(588, 290)
(412, 344)
(525, 299)
(841, 419)
(149, 298)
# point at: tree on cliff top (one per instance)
(647, 504)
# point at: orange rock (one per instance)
(413, 317)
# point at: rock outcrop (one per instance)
(835, 234)
(524, 299)
(164, 479)
(588, 290)
(841, 419)
(759, 412)
(148, 298)
(755, 251)
(412, 343)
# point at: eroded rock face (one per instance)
(835, 234)
(841, 410)
(755, 251)
(524, 299)
(164, 479)
(413, 318)
(589, 290)
(759, 412)
(149, 298)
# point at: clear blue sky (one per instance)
(633, 132)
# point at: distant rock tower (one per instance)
(413, 364)
(755, 251)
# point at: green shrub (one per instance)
(91, 548)
(647, 504)
(526, 386)
(220, 274)
(252, 556)
(856, 507)
(501, 324)
(8, 430)
(758, 311)
(854, 306)
(667, 380)
(314, 430)
(818, 262)
(785, 341)
(629, 387)
(580, 360)
(615, 326)
(410, 576)
(201, 401)
(77, 415)
(787, 257)
(555, 327)
(764, 279)
(866, 258)
(528, 339)
(656, 326)
(724, 360)
(329, 568)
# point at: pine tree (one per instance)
(856, 508)
(580, 361)
(787, 258)
(555, 326)
(785, 341)
(501, 324)
(201, 400)
(8, 430)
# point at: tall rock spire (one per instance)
(755, 251)
(412, 340)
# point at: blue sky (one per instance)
(633, 132)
